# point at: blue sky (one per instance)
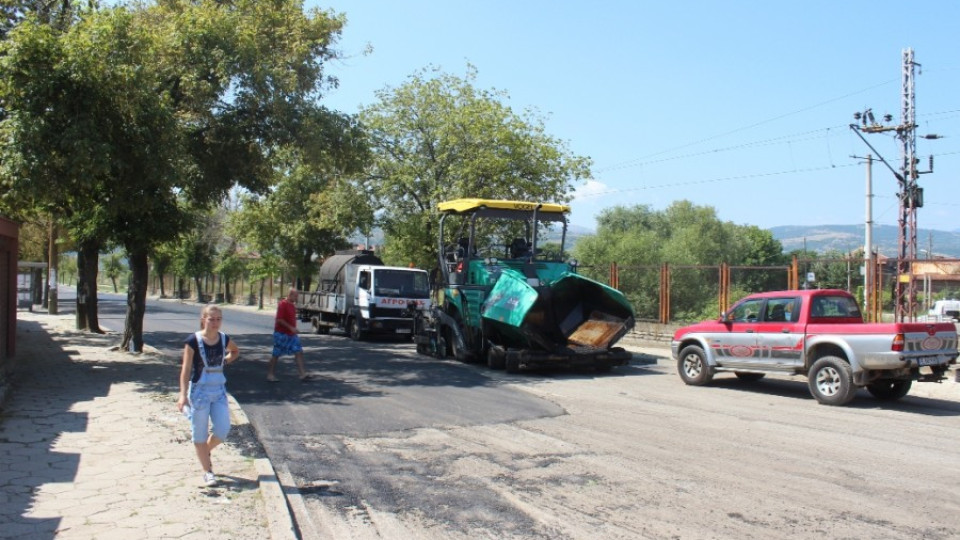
(742, 106)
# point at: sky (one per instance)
(741, 106)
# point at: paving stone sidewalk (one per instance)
(92, 446)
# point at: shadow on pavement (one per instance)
(797, 389)
(45, 385)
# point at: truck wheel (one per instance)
(831, 381)
(496, 358)
(441, 352)
(319, 328)
(356, 333)
(458, 353)
(749, 377)
(889, 390)
(692, 366)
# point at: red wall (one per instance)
(9, 242)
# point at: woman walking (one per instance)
(203, 391)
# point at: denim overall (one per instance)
(208, 396)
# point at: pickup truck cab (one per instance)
(819, 334)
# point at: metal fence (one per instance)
(668, 293)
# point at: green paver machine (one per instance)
(505, 297)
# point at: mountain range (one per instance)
(847, 238)
(821, 238)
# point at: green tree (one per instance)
(691, 238)
(312, 208)
(437, 137)
(138, 116)
(67, 269)
(162, 259)
(113, 268)
(195, 256)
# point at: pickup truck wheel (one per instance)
(692, 366)
(889, 390)
(749, 377)
(831, 381)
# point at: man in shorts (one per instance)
(286, 338)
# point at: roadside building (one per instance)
(9, 247)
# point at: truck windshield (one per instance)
(401, 284)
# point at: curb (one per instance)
(279, 516)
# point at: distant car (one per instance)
(819, 334)
(946, 310)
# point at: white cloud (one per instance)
(590, 190)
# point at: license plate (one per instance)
(403, 330)
(931, 360)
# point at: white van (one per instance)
(946, 310)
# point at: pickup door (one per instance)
(760, 334)
(780, 335)
(734, 340)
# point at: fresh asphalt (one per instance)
(358, 389)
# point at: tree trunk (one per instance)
(196, 280)
(262, 282)
(53, 256)
(88, 264)
(136, 300)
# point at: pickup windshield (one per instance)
(401, 284)
(832, 307)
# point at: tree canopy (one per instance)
(143, 114)
(685, 235)
(437, 137)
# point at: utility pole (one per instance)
(910, 194)
(868, 284)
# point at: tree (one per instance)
(113, 268)
(194, 256)
(68, 268)
(437, 137)
(140, 116)
(311, 209)
(58, 14)
(162, 258)
(691, 239)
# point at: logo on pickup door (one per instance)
(741, 351)
(931, 343)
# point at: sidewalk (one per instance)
(92, 446)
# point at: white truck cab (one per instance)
(945, 310)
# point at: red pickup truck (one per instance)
(819, 334)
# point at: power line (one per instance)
(801, 136)
(714, 180)
(760, 123)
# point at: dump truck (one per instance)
(505, 297)
(356, 293)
